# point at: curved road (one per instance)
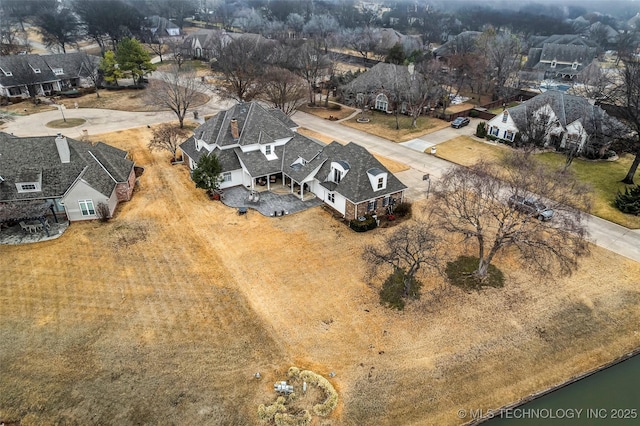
(603, 233)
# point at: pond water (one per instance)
(608, 397)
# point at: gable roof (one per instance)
(355, 184)
(381, 76)
(567, 109)
(255, 125)
(101, 166)
(22, 68)
(73, 64)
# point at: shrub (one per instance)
(609, 154)
(473, 113)
(363, 225)
(392, 291)
(103, 213)
(481, 129)
(331, 402)
(492, 138)
(285, 419)
(403, 209)
(629, 202)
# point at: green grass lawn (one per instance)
(605, 178)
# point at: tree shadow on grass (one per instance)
(460, 274)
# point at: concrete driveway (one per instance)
(423, 143)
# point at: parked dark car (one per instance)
(460, 122)
(531, 207)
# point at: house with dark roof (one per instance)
(379, 86)
(571, 120)
(257, 146)
(560, 56)
(160, 27)
(24, 76)
(69, 176)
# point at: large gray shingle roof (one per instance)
(355, 185)
(97, 164)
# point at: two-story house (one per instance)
(258, 145)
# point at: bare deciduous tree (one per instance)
(283, 89)
(176, 89)
(474, 203)
(167, 137)
(242, 62)
(409, 248)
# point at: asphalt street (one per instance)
(603, 233)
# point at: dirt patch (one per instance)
(165, 313)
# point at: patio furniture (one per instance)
(25, 227)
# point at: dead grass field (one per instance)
(326, 113)
(467, 151)
(384, 126)
(163, 315)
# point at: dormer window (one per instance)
(553, 63)
(337, 175)
(267, 150)
(574, 66)
(377, 178)
(36, 70)
(58, 71)
(6, 73)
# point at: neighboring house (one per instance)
(205, 44)
(24, 76)
(69, 176)
(254, 145)
(560, 56)
(382, 86)
(390, 37)
(573, 120)
(465, 42)
(160, 27)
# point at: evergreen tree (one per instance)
(629, 202)
(109, 68)
(133, 58)
(207, 174)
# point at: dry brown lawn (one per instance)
(384, 126)
(326, 113)
(466, 150)
(163, 315)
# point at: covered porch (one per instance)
(278, 183)
(29, 221)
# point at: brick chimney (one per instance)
(235, 132)
(63, 148)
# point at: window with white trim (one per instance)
(337, 175)
(509, 135)
(331, 197)
(226, 177)
(372, 205)
(494, 131)
(574, 66)
(382, 102)
(28, 187)
(505, 116)
(267, 149)
(86, 207)
(553, 64)
(380, 182)
(385, 201)
(58, 71)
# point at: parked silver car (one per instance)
(531, 207)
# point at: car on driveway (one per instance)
(531, 207)
(460, 122)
